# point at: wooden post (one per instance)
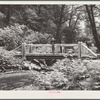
(53, 45)
(63, 42)
(79, 50)
(53, 48)
(61, 51)
(30, 48)
(24, 50)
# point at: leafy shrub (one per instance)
(8, 61)
(66, 76)
(12, 36)
(36, 37)
(51, 80)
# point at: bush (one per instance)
(12, 36)
(51, 80)
(36, 37)
(68, 75)
(8, 61)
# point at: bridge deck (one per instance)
(42, 56)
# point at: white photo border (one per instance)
(47, 94)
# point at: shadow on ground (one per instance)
(15, 81)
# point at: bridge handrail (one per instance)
(37, 45)
(16, 48)
(89, 50)
(67, 45)
(30, 46)
(83, 49)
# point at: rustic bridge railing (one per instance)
(45, 48)
(84, 51)
(56, 49)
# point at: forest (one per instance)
(39, 24)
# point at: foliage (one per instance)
(50, 19)
(36, 37)
(67, 74)
(70, 75)
(8, 61)
(38, 24)
(70, 35)
(91, 16)
(12, 36)
(52, 81)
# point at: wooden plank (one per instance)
(37, 54)
(42, 56)
(45, 57)
(66, 45)
(37, 45)
(47, 54)
(87, 56)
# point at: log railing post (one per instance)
(53, 48)
(24, 50)
(79, 50)
(63, 41)
(61, 50)
(53, 45)
(30, 48)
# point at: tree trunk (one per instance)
(8, 17)
(58, 35)
(93, 25)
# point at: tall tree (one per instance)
(51, 19)
(59, 23)
(90, 12)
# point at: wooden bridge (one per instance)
(54, 51)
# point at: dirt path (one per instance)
(10, 81)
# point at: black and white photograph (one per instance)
(50, 47)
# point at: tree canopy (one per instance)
(74, 22)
